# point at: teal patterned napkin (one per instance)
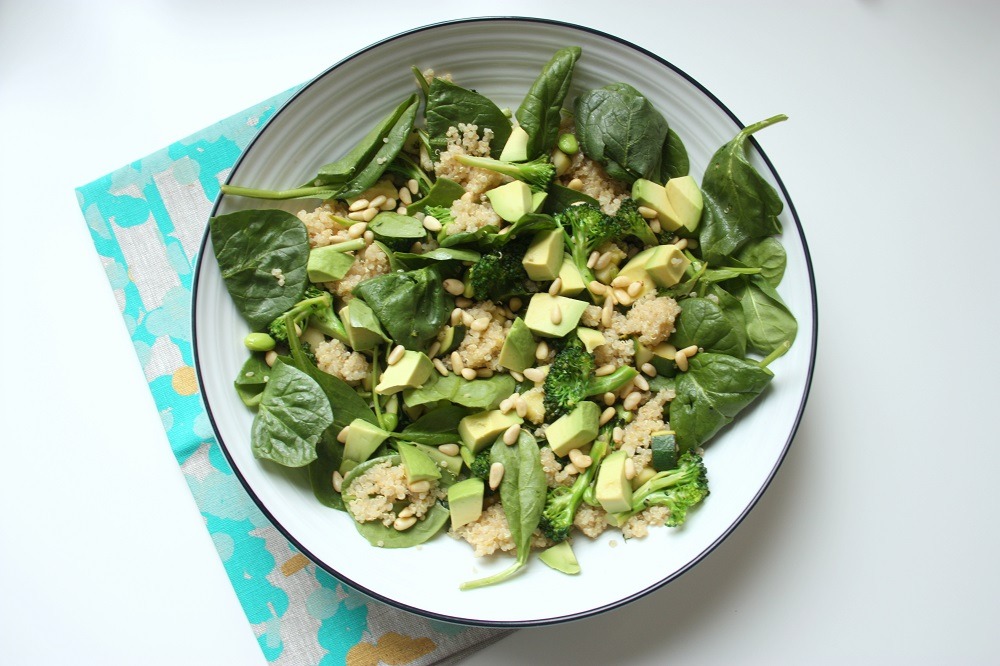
(147, 220)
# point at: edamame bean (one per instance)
(568, 143)
(259, 342)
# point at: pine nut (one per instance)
(607, 311)
(681, 244)
(603, 261)
(521, 407)
(467, 319)
(396, 355)
(413, 186)
(518, 377)
(634, 288)
(418, 487)
(609, 398)
(607, 415)
(369, 236)
(647, 212)
(621, 281)
(655, 227)
(481, 324)
(404, 196)
(682, 362)
(592, 259)
(431, 224)
(622, 297)
(338, 481)
(617, 435)
(358, 216)
(456, 362)
(406, 511)
(435, 349)
(689, 351)
(484, 373)
(356, 230)
(449, 449)
(377, 201)
(626, 388)
(515, 304)
(629, 469)
(511, 434)
(555, 314)
(542, 350)
(440, 367)
(496, 475)
(358, 205)
(456, 316)
(506, 405)
(271, 358)
(605, 369)
(692, 243)
(390, 204)
(575, 184)
(403, 524)
(649, 369)
(534, 374)
(641, 383)
(580, 460)
(597, 288)
(570, 469)
(631, 401)
(463, 302)
(369, 214)
(555, 287)
(468, 373)
(454, 287)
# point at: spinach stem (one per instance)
(237, 191)
(778, 352)
(767, 122)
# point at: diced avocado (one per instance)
(642, 477)
(663, 444)
(643, 354)
(364, 332)
(411, 371)
(575, 429)
(516, 148)
(590, 338)
(347, 465)
(326, 264)
(451, 463)
(544, 257)
(362, 440)
(511, 201)
(452, 338)
(417, 464)
(518, 351)
(635, 269)
(465, 501)
(666, 265)
(538, 200)
(653, 195)
(539, 315)
(535, 402)
(685, 197)
(561, 558)
(614, 491)
(467, 456)
(572, 280)
(663, 359)
(480, 430)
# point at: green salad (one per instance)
(517, 328)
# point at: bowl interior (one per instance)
(499, 58)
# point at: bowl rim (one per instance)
(591, 612)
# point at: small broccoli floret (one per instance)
(499, 274)
(678, 489)
(441, 214)
(315, 302)
(631, 223)
(538, 173)
(570, 379)
(480, 466)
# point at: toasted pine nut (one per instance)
(649, 369)
(521, 407)
(481, 324)
(607, 311)
(607, 415)
(605, 369)
(456, 362)
(420, 487)
(396, 355)
(555, 314)
(431, 224)
(454, 287)
(440, 367)
(338, 481)
(580, 460)
(358, 205)
(496, 475)
(506, 405)
(358, 215)
(377, 201)
(596, 287)
(271, 357)
(617, 435)
(570, 469)
(403, 524)
(369, 236)
(575, 184)
(609, 398)
(390, 204)
(484, 373)
(369, 214)
(515, 304)
(357, 230)
(631, 401)
(634, 288)
(681, 244)
(413, 186)
(641, 383)
(467, 319)
(555, 287)
(435, 349)
(682, 362)
(647, 212)
(542, 350)
(449, 449)
(689, 351)
(692, 243)
(621, 281)
(406, 511)
(534, 374)
(592, 259)
(404, 196)
(655, 227)
(518, 377)
(468, 373)
(603, 261)
(629, 469)
(511, 434)
(456, 316)
(622, 297)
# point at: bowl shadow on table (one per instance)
(639, 631)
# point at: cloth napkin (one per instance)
(147, 220)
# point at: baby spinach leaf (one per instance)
(560, 198)
(329, 455)
(704, 324)
(711, 393)
(412, 306)
(438, 426)
(674, 161)
(449, 104)
(477, 394)
(397, 231)
(292, 415)
(442, 193)
(769, 323)
(739, 204)
(768, 255)
(540, 112)
(618, 127)
(522, 491)
(388, 147)
(249, 245)
(252, 379)
(409, 260)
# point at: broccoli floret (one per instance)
(570, 379)
(538, 173)
(316, 307)
(480, 466)
(441, 214)
(631, 223)
(499, 274)
(678, 489)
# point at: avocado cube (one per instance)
(417, 464)
(451, 463)
(544, 256)
(516, 148)
(364, 332)
(511, 201)
(537, 199)
(614, 492)
(572, 280)
(478, 431)
(653, 195)
(539, 315)
(590, 338)
(686, 199)
(535, 402)
(561, 558)
(666, 265)
(518, 351)
(575, 429)
(635, 270)
(465, 501)
(411, 371)
(326, 264)
(363, 438)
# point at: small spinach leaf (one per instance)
(541, 111)
(769, 323)
(436, 427)
(704, 324)
(388, 147)
(449, 104)
(397, 231)
(674, 161)
(292, 416)
(249, 245)
(442, 193)
(412, 306)
(768, 255)
(409, 260)
(476, 394)
(329, 455)
(560, 198)
(252, 380)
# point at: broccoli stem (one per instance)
(612, 382)
(348, 246)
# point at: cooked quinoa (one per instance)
(326, 224)
(368, 263)
(333, 357)
(380, 489)
(492, 533)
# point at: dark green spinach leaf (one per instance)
(768, 255)
(476, 394)
(329, 455)
(560, 198)
(704, 324)
(292, 415)
(409, 260)
(674, 162)
(436, 427)
(449, 104)
(252, 380)
(442, 194)
(412, 306)
(540, 114)
(769, 323)
(398, 232)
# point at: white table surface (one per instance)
(877, 541)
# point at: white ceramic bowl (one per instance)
(499, 58)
